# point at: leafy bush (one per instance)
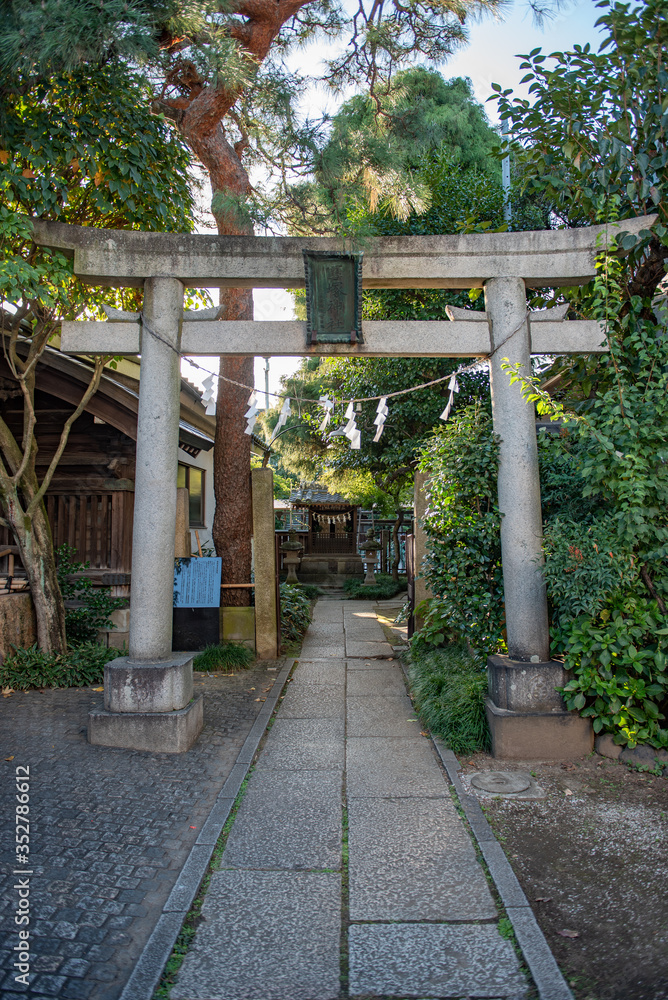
(308, 590)
(384, 588)
(96, 603)
(224, 656)
(619, 660)
(80, 666)
(295, 613)
(584, 567)
(449, 688)
(462, 522)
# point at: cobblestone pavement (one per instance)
(110, 830)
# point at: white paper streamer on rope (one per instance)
(285, 413)
(351, 430)
(251, 413)
(453, 386)
(328, 405)
(207, 395)
(381, 414)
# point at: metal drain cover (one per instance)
(502, 782)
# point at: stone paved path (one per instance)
(110, 831)
(348, 872)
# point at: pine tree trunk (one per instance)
(232, 523)
(33, 537)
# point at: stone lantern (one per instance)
(291, 559)
(370, 547)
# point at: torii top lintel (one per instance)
(542, 258)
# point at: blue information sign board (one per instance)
(197, 582)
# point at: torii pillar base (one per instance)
(148, 705)
(155, 732)
(527, 717)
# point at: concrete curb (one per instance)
(146, 974)
(549, 981)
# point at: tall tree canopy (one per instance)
(84, 150)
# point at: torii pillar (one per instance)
(148, 694)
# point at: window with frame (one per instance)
(193, 480)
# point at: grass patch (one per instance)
(80, 666)
(449, 689)
(384, 588)
(224, 656)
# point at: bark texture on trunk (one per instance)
(232, 524)
(33, 537)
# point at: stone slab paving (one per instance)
(110, 831)
(433, 960)
(265, 936)
(422, 921)
(412, 859)
(301, 821)
(383, 767)
(305, 743)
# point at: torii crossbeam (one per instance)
(504, 264)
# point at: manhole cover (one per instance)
(501, 782)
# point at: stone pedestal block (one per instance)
(238, 625)
(538, 735)
(160, 686)
(526, 687)
(527, 716)
(156, 732)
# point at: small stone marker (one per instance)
(502, 782)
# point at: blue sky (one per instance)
(489, 58)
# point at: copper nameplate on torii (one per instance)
(333, 297)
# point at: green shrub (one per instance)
(224, 656)
(96, 603)
(80, 666)
(309, 590)
(449, 688)
(382, 590)
(462, 523)
(584, 568)
(619, 661)
(295, 613)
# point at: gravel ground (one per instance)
(592, 857)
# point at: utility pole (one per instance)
(505, 177)
(266, 383)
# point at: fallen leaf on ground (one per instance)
(10, 758)
(543, 899)
(568, 767)
(6, 692)
(98, 689)
(568, 934)
(567, 791)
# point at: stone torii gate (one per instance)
(148, 695)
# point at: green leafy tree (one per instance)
(591, 137)
(84, 150)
